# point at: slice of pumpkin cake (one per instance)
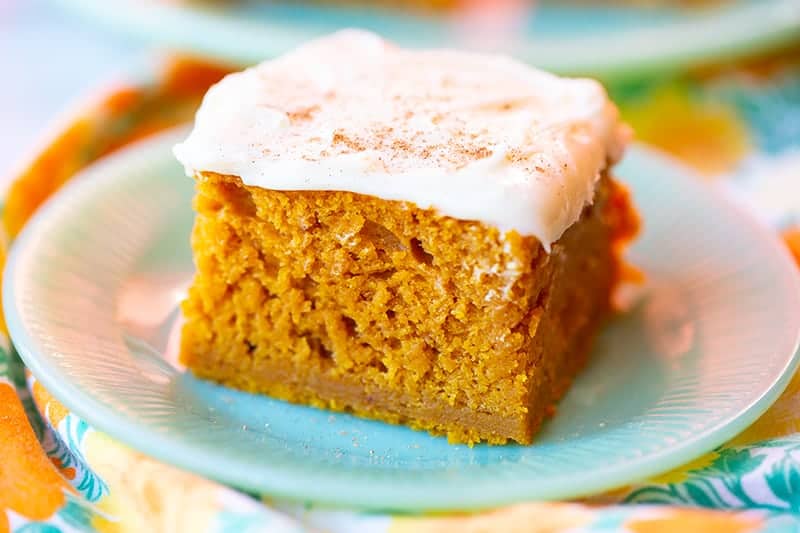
(426, 237)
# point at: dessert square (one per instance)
(428, 238)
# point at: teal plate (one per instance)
(603, 41)
(91, 293)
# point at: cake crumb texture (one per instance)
(389, 311)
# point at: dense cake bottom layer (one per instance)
(461, 424)
(391, 312)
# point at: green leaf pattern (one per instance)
(65, 445)
(764, 476)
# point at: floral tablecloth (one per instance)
(738, 125)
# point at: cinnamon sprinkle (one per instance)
(480, 153)
(305, 113)
(352, 144)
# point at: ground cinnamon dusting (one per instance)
(306, 113)
(480, 153)
(352, 144)
(400, 145)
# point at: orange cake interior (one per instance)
(353, 303)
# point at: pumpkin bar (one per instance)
(428, 237)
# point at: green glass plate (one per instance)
(602, 40)
(91, 293)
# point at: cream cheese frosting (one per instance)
(474, 136)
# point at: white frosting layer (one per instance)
(477, 137)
